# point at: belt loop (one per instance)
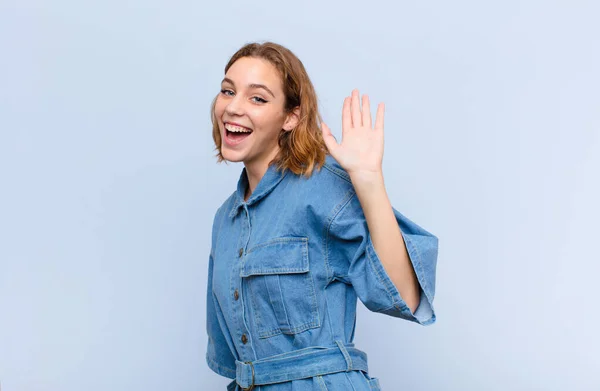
(243, 375)
(251, 386)
(346, 355)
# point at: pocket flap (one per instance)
(279, 256)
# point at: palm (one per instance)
(361, 149)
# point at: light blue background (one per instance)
(109, 186)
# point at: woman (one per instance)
(309, 229)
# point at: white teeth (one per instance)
(236, 129)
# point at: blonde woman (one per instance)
(308, 230)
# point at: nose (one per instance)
(234, 108)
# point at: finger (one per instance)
(366, 111)
(356, 115)
(346, 115)
(330, 141)
(379, 117)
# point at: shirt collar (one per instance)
(268, 182)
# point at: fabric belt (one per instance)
(299, 364)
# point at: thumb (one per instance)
(330, 141)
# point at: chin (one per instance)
(231, 156)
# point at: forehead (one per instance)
(251, 70)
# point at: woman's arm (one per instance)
(361, 154)
(386, 235)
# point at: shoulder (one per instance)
(324, 193)
(325, 180)
(332, 166)
(330, 176)
(225, 207)
(344, 207)
(221, 213)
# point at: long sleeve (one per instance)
(351, 253)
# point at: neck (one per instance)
(255, 171)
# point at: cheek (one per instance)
(266, 119)
(219, 108)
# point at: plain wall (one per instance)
(108, 183)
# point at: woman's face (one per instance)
(250, 112)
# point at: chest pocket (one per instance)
(280, 287)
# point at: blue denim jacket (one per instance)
(285, 270)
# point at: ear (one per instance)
(292, 119)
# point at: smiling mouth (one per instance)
(235, 133)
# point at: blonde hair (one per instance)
(302, 149)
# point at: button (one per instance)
(244, 339)
(236, 295)
(241, 252)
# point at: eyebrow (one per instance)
(253, 85)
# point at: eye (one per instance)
(227, 92)
(258, 99)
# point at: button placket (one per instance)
(240, 310)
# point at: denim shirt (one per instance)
(287, 266)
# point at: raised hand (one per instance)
(361, 150)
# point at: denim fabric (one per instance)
(287, 266)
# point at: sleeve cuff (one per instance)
(424, 314)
